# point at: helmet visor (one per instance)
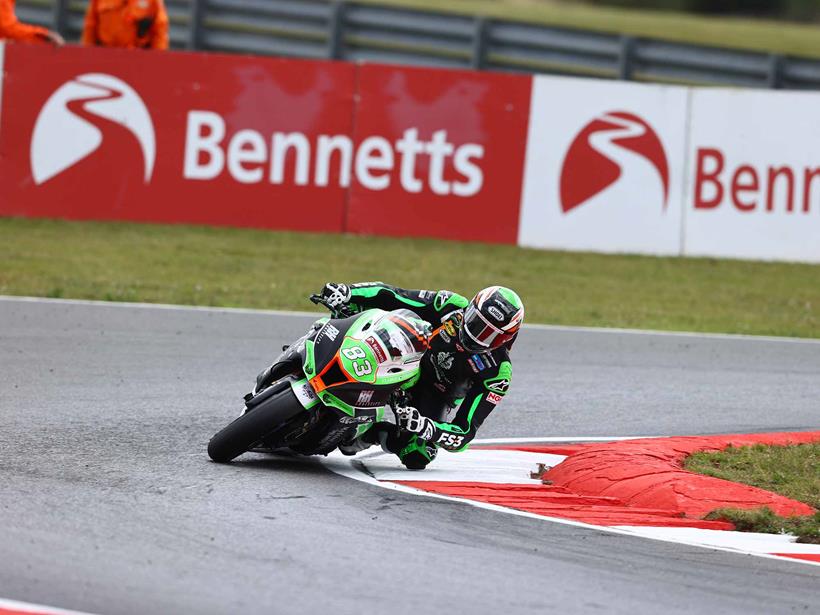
(477, 333)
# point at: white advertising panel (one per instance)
(754, 175)
(604, 166)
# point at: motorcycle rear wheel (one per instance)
(254, 426)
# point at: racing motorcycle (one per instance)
(347, 373)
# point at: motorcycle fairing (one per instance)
(353, 364)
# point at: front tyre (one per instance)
(254, 426)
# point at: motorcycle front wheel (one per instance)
(251, 428)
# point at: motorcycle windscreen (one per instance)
(404, 336)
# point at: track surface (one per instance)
(109, 504)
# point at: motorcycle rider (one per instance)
(465, 373)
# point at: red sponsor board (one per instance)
(176, 137)
(446, 153)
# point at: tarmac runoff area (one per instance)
(109, 504)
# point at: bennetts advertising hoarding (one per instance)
(546, 162)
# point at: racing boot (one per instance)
(365, 441)
(354, 446)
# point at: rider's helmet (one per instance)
(491, 319)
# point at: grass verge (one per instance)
(252, 268)
(792, 471)
(732, 32)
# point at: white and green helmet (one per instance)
(492, 319)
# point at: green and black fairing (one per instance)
(351, 366)
(330, 386)
(355, 364)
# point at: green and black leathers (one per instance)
(457, 389)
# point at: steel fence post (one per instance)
(774, 75)
(626, 58)
(478, 55)
(60, 17)
(195, 20)
(336, 35)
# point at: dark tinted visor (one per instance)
(479, 334)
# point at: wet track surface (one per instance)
(108, 502)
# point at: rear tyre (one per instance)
(254, 426)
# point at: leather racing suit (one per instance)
(457, 389)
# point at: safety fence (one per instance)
(357, 31)
(545, 162)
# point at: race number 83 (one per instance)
(361, 365)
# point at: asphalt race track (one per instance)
(109, 504)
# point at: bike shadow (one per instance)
(273, 462)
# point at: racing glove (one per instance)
(336, 295)
(410, 418)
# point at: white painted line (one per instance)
(690, 334)
(27, 607)
(361, 468)
(747, 541)
(537, 326)
(579, 439)
(472, 465)
(161, 306)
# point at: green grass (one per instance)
(792, 471)
(740, 33)
(253, 268)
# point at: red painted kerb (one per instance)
(650, 473)
(634, 482)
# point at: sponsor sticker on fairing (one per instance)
(305, 394)
(355, 420)
(381, 357)
(331, 332)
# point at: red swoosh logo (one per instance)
(586, 171)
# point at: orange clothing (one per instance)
(131, 24)
(11, 28)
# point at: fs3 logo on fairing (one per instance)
(604, 150)
(66, 131)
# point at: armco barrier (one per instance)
(547, 162)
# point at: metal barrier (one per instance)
(356, 31)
